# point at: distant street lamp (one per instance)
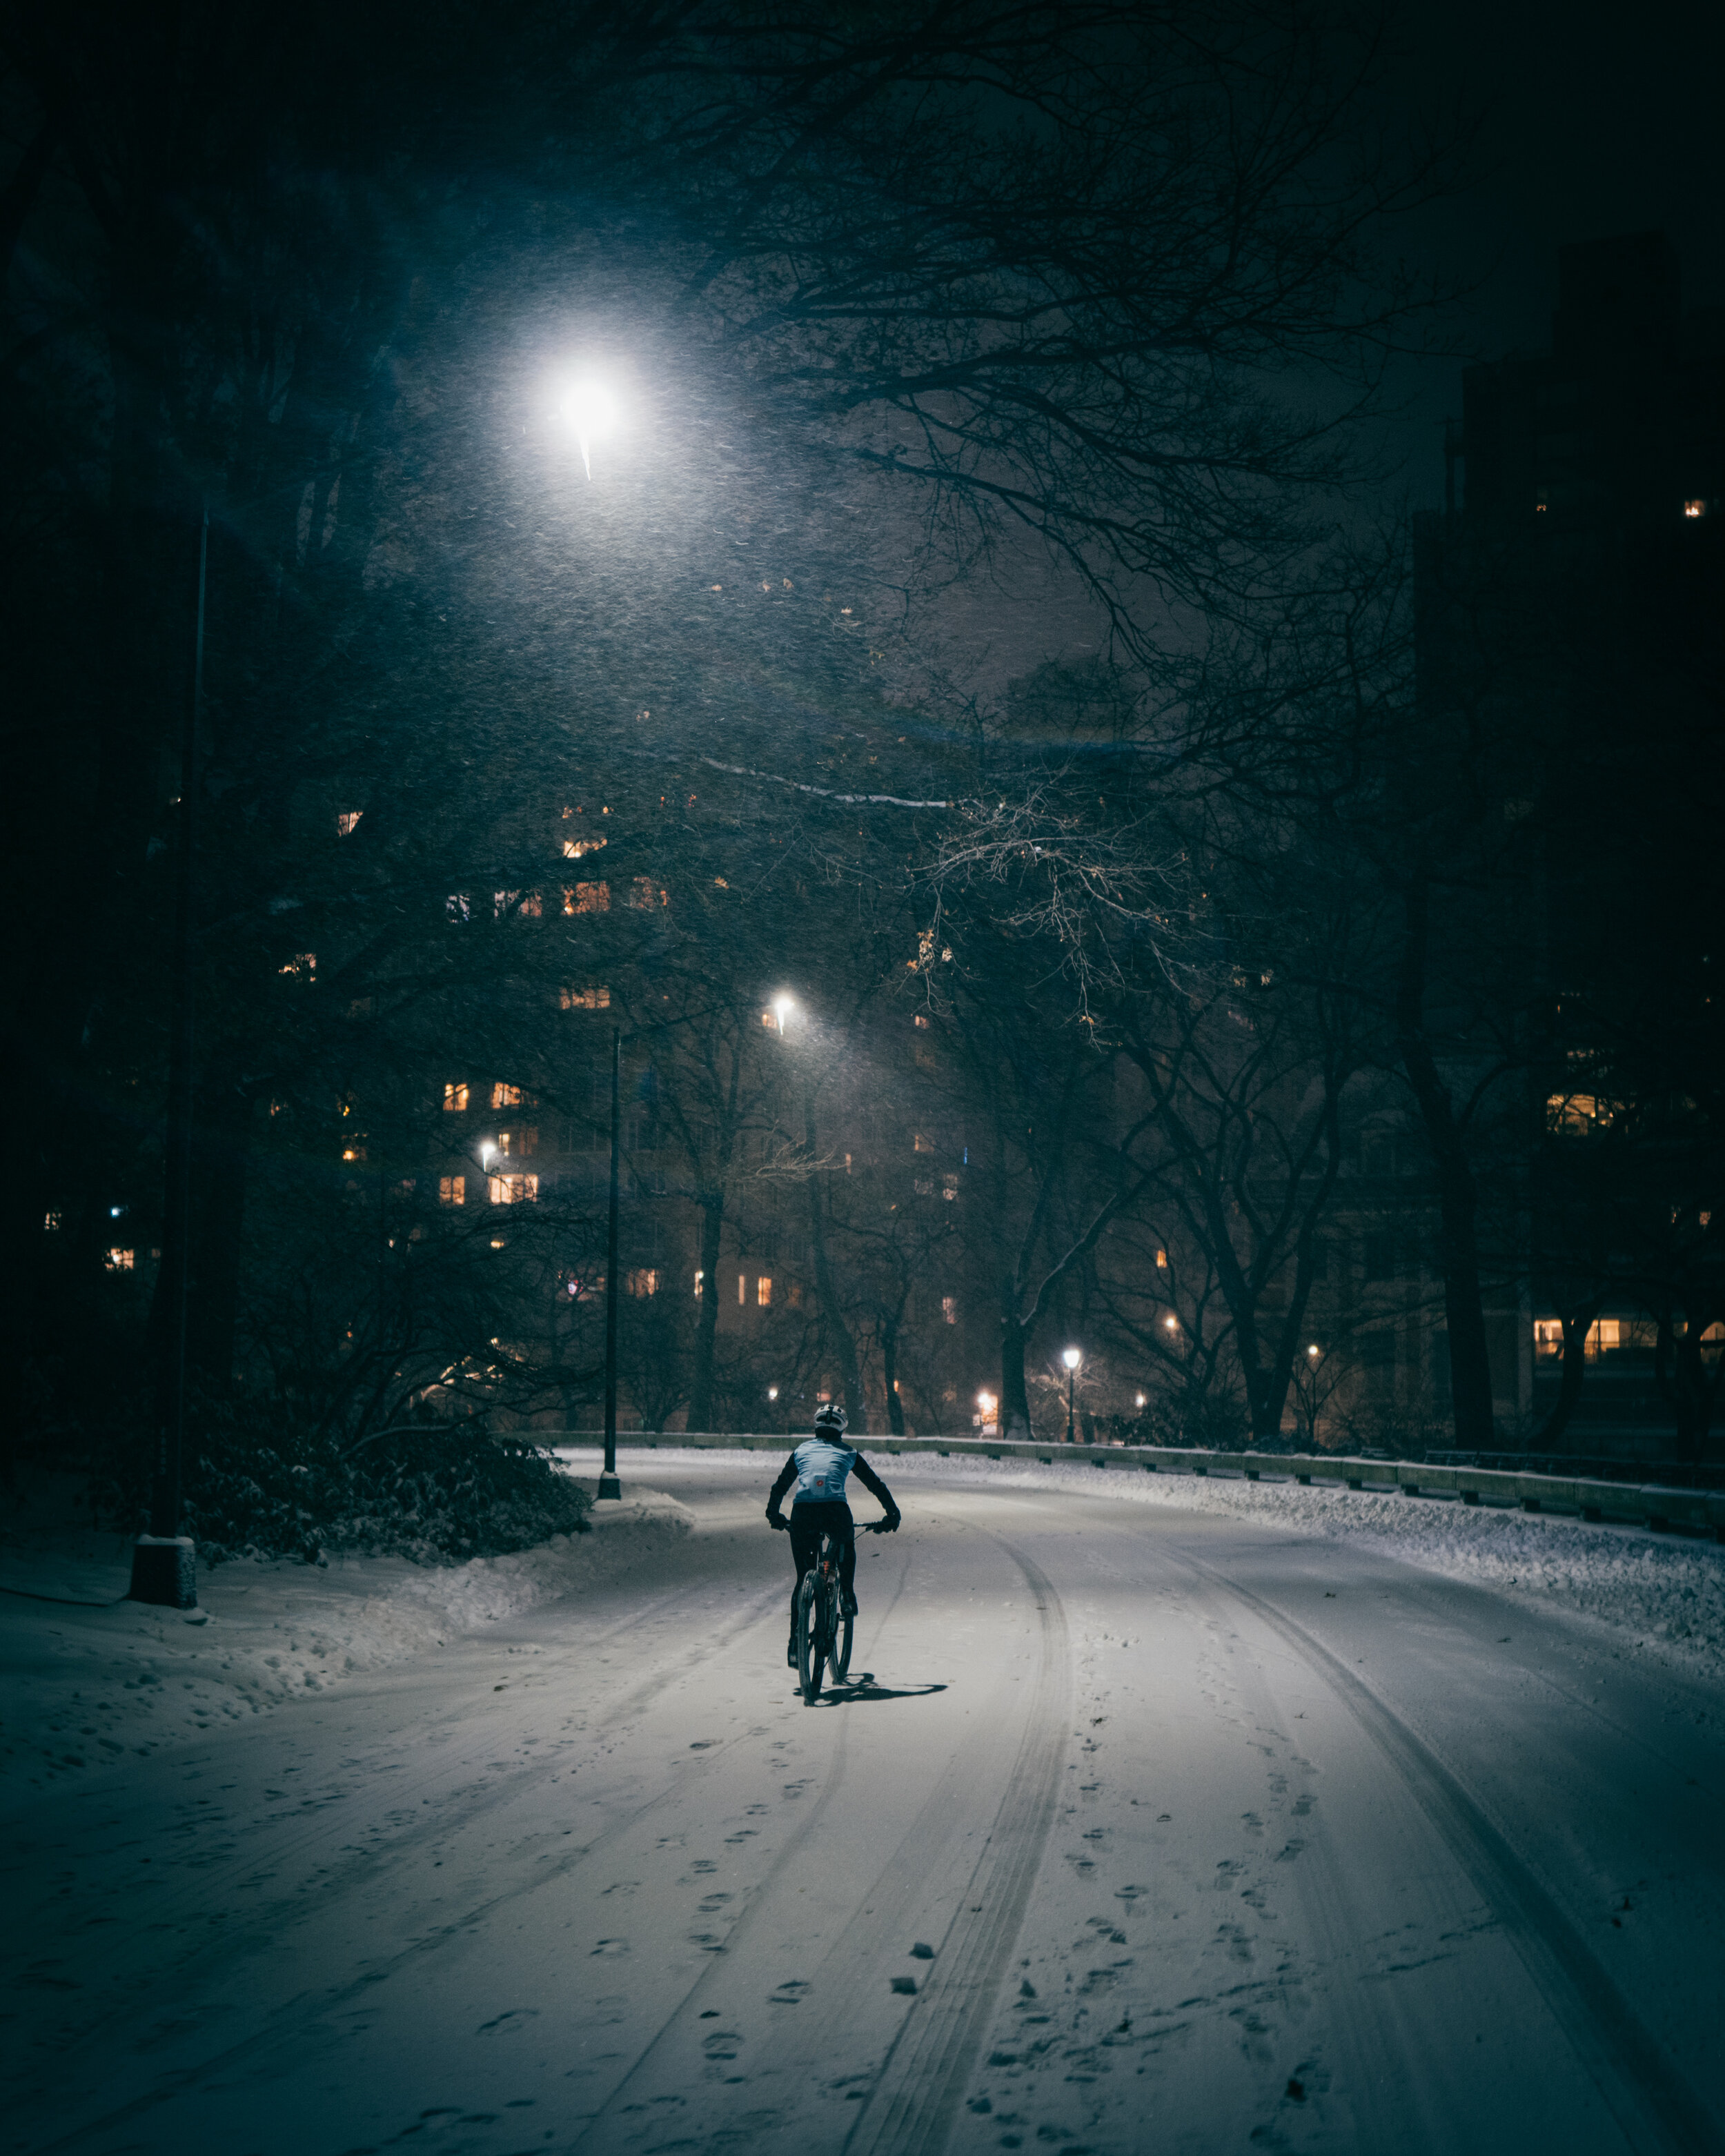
(1071, 1357)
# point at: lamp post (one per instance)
(609, 1486)
(1071, 1357)
(164, 1562)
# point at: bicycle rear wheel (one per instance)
(840, 1632)
(811, 1649)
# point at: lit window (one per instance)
(1695, 507)
(950, 1186)
(847, 1163)
(700, 1281)
(54, 1222)
(512, 1189)
(120, 1261)
(506, 1096)
(574, 849)
(641, 1281)
(302, 965)
(923, 1143)
(763, 1290)
(502, 900)
(921, 1020)
(353, 1153)
(1162, 1261)
(454, 1098)
(518, 1143)
(1541, 502)
(642, 891)
(742, 1287)
(457, 906)
(346, 820)
(587, 998)
(1574, 1115)
(532, 907)
(451, 1190)
(586, 898)
(949, 1309)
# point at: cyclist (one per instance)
(818, 1467)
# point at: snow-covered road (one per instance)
(1159, 1831)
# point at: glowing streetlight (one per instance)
(1139, 1400)
(783, 1006)
(590, 413)
(1072, 1357)
(1314, 1351)
(772, 1392)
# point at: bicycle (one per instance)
(825, 1629)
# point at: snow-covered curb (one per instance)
(84, 1687)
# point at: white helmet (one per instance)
(831, 1418)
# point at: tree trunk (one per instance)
(1014, 1401)
(1458, 1196)
(706, 1328)
(224, 1128)
(888, 1371)
(1686, 1385)
(833, 1322)
(1576, 1326)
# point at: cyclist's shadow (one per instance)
(862, 1690)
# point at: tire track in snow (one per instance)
(910, 2109)
(1641, 2084)
(286, 2022)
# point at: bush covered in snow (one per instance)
(427, 1490)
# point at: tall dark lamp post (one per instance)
(609, 1486)
(1071, 1357)
(164, 1562)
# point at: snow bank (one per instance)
(81, 1687)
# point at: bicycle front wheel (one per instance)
(811, 1647)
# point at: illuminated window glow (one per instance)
(641, 1281)
(587, 998)
(949, 1309)
(763, 1290)
(586, 898)
(454, 1098)
(512, 1189)
(1694, 507)
(120, 1261)
(574, 849)
(451, 1190)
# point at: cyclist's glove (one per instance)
(889, 1524)
(775, 1518)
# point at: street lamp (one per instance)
(783, 1006)
(1071, 1357)
(590, 413)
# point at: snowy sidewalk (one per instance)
(81, 1687)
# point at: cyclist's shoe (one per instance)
(847, 1603)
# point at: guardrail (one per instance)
(1648, 1504)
